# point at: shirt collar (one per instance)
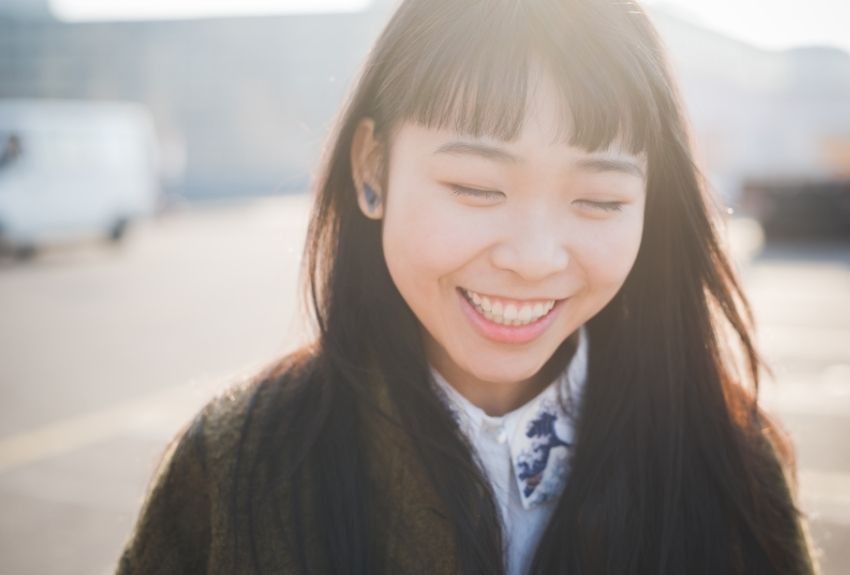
(539, 433)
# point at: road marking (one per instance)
(160, 412)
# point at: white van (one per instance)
(70, 169)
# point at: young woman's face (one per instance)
(503, 250)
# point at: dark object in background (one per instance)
(10, 150)
(811, 208)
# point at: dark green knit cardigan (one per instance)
(186, 525)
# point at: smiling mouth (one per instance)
(509, 312)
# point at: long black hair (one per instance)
(666, 476)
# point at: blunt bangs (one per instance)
(470, 68)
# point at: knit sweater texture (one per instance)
(187, 524)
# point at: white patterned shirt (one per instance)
(525, 453)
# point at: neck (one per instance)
(497, 399)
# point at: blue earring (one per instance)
(371, 197)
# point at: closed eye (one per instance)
(458, 190)
(612, 206)
(475, 192)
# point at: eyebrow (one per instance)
(496, 154)
(611, 165)
(481, 150)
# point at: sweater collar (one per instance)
(539, 433)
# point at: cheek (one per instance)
(425, 239)
(608, 256)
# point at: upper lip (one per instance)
(514, 299)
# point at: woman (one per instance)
(532, 353)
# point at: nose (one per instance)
(533, 246)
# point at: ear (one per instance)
(366, 161)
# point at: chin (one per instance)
(494, 373)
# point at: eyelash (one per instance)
(474, 192)
(490, 194)
(605, 206)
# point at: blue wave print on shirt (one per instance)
(541, 430)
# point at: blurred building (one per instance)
(757, 114)
(242, 105)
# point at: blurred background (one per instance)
(155, 158)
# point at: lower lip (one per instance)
(515, 334)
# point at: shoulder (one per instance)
(776, 466)
(767, 444)
(775, 449)
(234, 423)
(185, 516)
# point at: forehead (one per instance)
(547, 113)
(533, 143)
(531, 152)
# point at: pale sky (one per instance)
(772, 24)
(88, 10)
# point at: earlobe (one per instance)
(373, 200)
(365, 160)
(370, 201)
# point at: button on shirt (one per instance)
(525, 453)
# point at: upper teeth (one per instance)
(509, 313)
